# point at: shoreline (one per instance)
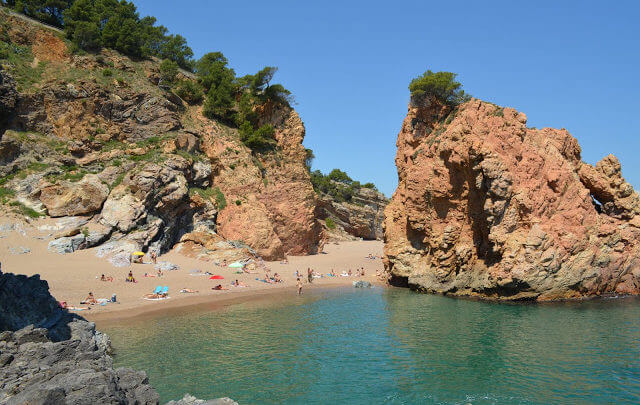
(204, 303)
(23, 250)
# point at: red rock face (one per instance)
(487, 207)
(270, 199)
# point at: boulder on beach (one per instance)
(166, 266)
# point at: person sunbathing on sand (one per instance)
(188, 291)
(238, 284)
(267, 278)
(63, 305)
(103, 278)
(219, 287)
(333, 273)
(276, 278)
(149, 275)
(90, 299)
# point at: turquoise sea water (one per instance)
(392, 346)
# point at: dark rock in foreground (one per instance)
(49, 356)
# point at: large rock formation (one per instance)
(270, 199)
(489, 208)
(360, 218)
(49, 356)
(142, 163)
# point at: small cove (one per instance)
(381, 345)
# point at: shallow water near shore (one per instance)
(391, 346)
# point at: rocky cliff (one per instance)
(49, 356)
(95, 136)
(359, 218)
(487, 207)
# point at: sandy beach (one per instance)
(72, 276)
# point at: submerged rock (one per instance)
(191, 400)
(487, 207)
(362, 284)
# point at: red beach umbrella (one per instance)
(216, 277)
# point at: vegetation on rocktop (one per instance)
(337, 184)
(440, 85)
(240, 101)
(243, 102)
(92, 24)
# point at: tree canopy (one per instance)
(47, 11)
(242, 102)
(116, 24)
(337, 184)
(441, 85)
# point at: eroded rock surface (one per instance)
(139, 162)
(487, 207)
(270, 200)
(360, 218)
(70, 199)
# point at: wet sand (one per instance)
(71, 276)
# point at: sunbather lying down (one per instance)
(63, 305)
(188, 291)
(154, 296)
(219, 287)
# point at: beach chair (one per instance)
(165, 291)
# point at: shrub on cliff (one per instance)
(189, 91)
(217, 79)
(339, 175)
(91, 24)
(441, 85)
(308, 158)
(168, 70)
(259, 140)
(259, 87)
(336, 184)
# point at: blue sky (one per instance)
(566, 64)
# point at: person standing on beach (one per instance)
(299, 283)
(309, 275)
